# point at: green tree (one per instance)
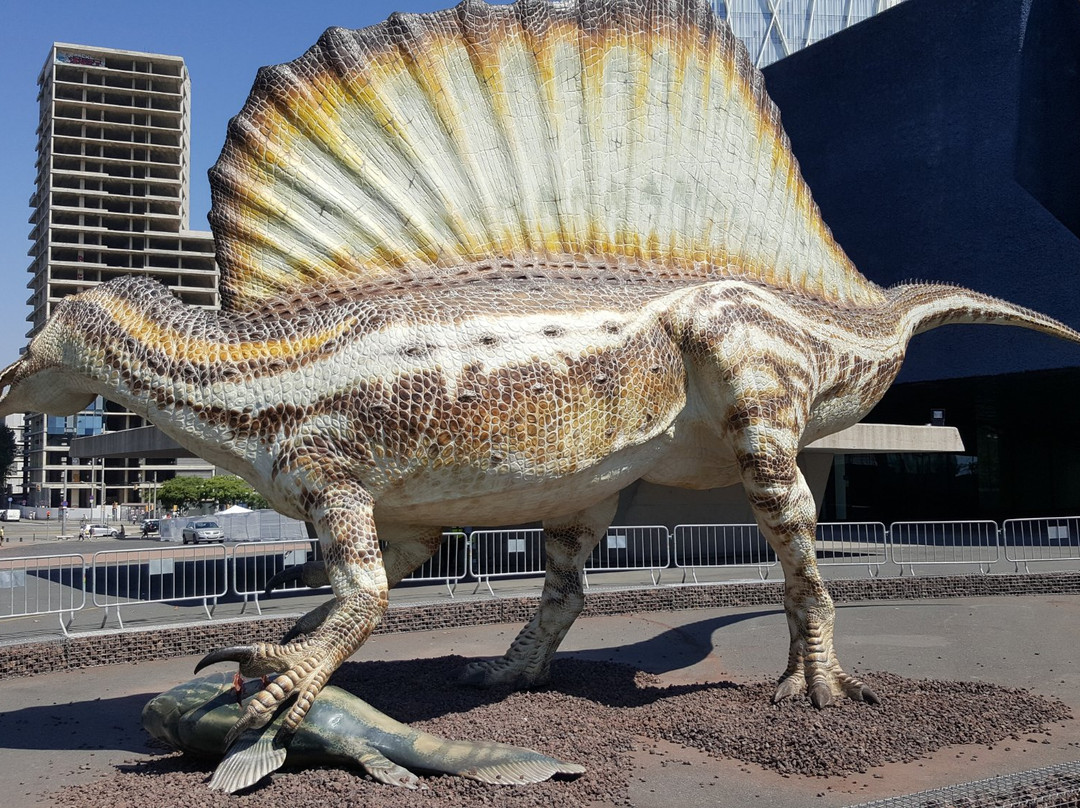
(181, 492)
(7, 450)
(256, 501)
(226, 490)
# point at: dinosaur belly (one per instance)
(512, 493)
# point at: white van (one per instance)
(10, 515)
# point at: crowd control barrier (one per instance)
(449, 566)
(703, 546)
(631, 549)
(923, 543)
(847, 544)
(506, 554)
(129, 577)
(1031, 540)
(38, 585)
(204, 574)
(253, 564)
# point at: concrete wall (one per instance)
(941, 142)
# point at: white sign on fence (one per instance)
(295, 557)
(162, 566)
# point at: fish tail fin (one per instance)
(253, 756)
(521, 768)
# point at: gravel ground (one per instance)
(598, 714)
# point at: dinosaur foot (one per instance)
(293, 673)
(823, 684)
(504, 672)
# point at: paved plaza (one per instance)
(71, 727)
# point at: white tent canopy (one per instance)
(232, 510)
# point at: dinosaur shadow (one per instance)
(423, 689)
(676, 648)
(408, 690)
(90, 725)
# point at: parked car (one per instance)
(197, 530)
(101, 530)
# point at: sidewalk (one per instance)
(74, 727)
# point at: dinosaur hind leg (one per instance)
(406, 547)
(568, 541)
(787, 517)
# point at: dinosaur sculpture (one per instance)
(340, 728)
(491, 265)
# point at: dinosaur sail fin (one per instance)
(636, 133)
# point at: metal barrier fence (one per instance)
(129, 577)
(253, 564)
(1048, 539)
(506, 554)
(922, 543)
(631, 549)
(697, 546)
(59, 584)
(847, 544)
(35, 585)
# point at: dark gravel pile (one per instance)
(597, 713)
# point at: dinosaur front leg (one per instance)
(568, 541)
(787, 517)
(343, 518)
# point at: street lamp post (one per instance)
(103, 491)
(64, 497)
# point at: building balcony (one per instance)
(107, 137)
(127, 101)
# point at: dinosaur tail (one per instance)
(924, 306)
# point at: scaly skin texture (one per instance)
(406, 346)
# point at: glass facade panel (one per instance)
(88, 422)
(773, 29)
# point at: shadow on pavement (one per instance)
(79, 725)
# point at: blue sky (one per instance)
(223, 43)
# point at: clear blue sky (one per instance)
(223, 43)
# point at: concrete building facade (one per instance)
(950, 154)
(111, 199)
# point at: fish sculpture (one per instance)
(341, 729)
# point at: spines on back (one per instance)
(634, 132)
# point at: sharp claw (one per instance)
(238, 653)
(789, 688)
(820, 696)
(245, 721)
(295, 573)
(291, 634)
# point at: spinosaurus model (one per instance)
(492, 265)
